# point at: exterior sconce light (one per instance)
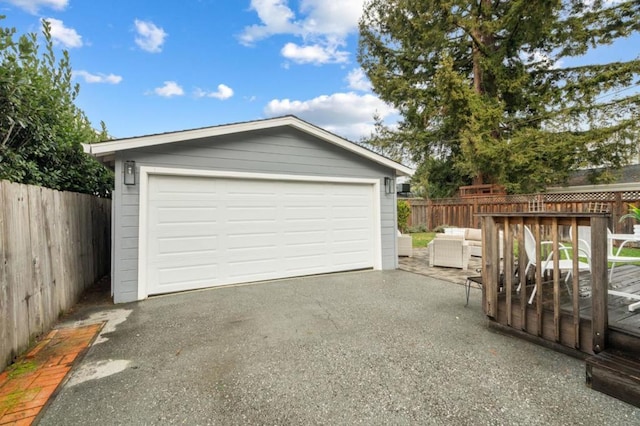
(129, 172)
(388, 185)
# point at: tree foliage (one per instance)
(484, 95)
(41, 129)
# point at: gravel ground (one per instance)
(369, 347)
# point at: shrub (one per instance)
(404, 211)
(418, 228)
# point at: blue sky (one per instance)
(154, 66)
(150, 66)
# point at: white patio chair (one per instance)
(547, 264)
(613, 255)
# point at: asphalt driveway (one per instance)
(369, 347)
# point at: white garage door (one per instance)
(204, 231)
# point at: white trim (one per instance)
(145, 171)
(106, 149)
(143, 204)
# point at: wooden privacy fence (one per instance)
(464, 212)
(53, 245)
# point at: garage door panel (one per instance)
(250, 214)
(262, 269)
(353, 259)
(192, 244)
(304, 236)
(190, 214)
(186, 230)
(304, 250)
(248, 239)
(320, 244)
(175, 275)
(213, 231)
(351, 235)
(305, 213)
(250, 255)
(356, 224)
(307, 265)
(178, 189)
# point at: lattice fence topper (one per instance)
(536, 204)
(598, 207)
(580, 197)
(573, 197)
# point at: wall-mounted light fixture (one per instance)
(129, 172)
(388, 185)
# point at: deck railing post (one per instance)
(599, 282)
(490, 268)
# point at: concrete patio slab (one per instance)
(370, 347)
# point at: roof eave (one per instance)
(108, 149)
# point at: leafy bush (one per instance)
(417, 229)
(440, 229)
(41, 129)
(634, 213)
(404, 211)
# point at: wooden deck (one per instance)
(626, 279)
(583, 318)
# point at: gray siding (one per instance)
(281, 151)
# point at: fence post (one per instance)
(474, 218)
(617, 211)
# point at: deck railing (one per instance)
(554, 316)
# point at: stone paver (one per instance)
(27, 385)
(419, 264)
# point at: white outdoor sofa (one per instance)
(471, 236)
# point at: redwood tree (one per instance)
(487, 92)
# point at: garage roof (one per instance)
(105, 150)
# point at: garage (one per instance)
(207, 231)
(244, 203)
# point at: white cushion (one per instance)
(473, 234)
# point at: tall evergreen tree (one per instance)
(486, 92)
(41, 129)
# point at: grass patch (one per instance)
(421, 239)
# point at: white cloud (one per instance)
(347, 114)
(60, 34)
(331, 17)
(170, 88)
(314, 54)
(223, 92)
(322, 25)
(276, 18)
(98, 78)
(150, 36)
(32, 6)
(358, 80)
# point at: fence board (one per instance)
(463, 212)
(34, 301)
(5, 345)
(18, 272)
(53, 245)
